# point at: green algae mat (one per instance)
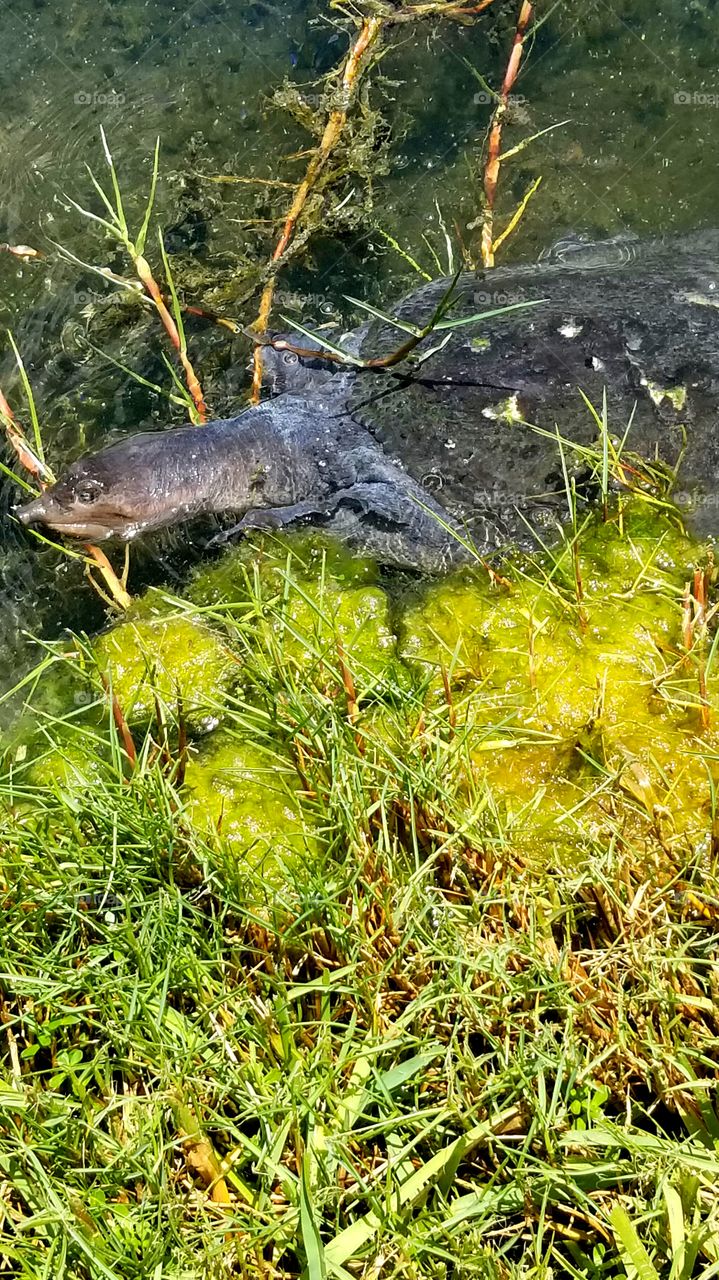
(356, 927)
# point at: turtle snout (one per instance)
(34, 512)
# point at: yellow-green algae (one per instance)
(582, 715)
(250, 800)
(570, 705)
(309, 594)
(174, 656)
(67, 768)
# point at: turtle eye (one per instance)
(290, 357)
(87, 493)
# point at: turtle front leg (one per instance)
(380, 499)
(275, 518)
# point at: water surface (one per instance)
(631, 85)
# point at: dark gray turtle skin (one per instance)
(405, 463)
(636, 321)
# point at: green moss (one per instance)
(173, 656)
(68, 767)
(581, 716)
(310, 557)
(304, 595)
(235, 791)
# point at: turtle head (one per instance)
(286, 372)
(119, 492)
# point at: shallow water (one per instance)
(633, 82)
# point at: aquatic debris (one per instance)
(22, 251)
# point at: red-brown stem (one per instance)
(163, 744)
(351, 693)
(687, 637)
(146, 277)
(494, 145)
(368, 35)
(120, 723)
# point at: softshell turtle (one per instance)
(408, 463)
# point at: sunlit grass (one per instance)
(425, 1049)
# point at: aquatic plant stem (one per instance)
(494, 156)
(120, 596)
(367, 38)
(152, 288)
(44, 476)
(459, 12)
(115, 224)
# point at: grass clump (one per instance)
(409, 969)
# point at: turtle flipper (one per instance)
(275, 518)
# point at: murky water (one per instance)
(629, 92)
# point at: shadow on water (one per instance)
(634, 81)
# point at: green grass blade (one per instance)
(16, 479)
(677, 1230)
(492, 94)
(434, 254)
(487, 315)
(634, 1255)
(120, 212)
(137, 377)
(110, 227)
(102, 194)
(382, 315)
(30, 399)
(349, 1242)
(345, 356)
(142, 234)
(403, 254)
(62, 547)
(110, 277)
(311, 1239)
(183, 396)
